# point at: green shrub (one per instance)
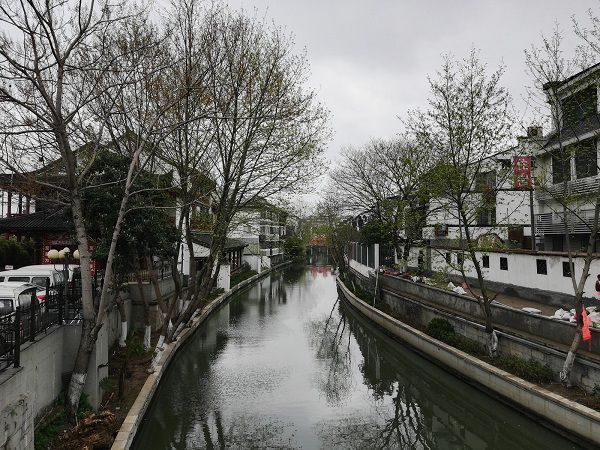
(215, 293)
(593, 401)
(135, 345)
(442, 330)
(383, 307)
(529, 370)
(242, 274)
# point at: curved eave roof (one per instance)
(36, 222)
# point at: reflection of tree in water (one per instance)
(294, 273)
(395, 420)
(244, 432)
(396, 425)
(331, 340)
(393, 424)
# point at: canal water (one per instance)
(285, 365)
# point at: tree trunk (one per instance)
(154, 281)
(146, 307)
(123, 315)
(565, 374)
(80, 369)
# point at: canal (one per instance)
(285, 365)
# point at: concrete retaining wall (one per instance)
(503, 316)
(46, 364)
(167, 287)
(512, 325)
(572, 417)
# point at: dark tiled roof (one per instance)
(39, 221)
(584, 73)
(206, 239)
(578, 130)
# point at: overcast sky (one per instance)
(370, 59)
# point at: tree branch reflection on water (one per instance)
(395, 420)
(331, 341)
(248, 432)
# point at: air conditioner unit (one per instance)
(441, 229)
(534, 132)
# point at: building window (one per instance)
(586, 155)
(460, 259)
(485, 260)
(542, 266)
(557, 243)
(485, 182)
(561, 167)
(503, 263)
(580, 105)
(448, 257)
(568, 269)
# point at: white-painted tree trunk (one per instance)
(123, 337)
(565, 374)
(185, 305)
(492, 344)
(158, 351)
(76, 388)
(169, 324)
(147, 336)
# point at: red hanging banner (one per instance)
(522, 172)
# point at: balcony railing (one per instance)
(554, 223)
(271, 251)
(583, 186)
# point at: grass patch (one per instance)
(57, 420)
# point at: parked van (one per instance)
(15, 294)
(11, 296)
(38, 274)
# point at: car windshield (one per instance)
(6, 306)
(40, 281)
(21, 279)
(58, 278)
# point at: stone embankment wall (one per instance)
(27, 391)
(574, 419)
(529, 336)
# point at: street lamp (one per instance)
(63, 254)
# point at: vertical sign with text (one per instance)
(522, 172)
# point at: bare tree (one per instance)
(387, 179)
(73, 77)
(335, 227)
(468, 122)
(266, 127)
(564, 92)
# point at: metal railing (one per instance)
(25, 323)
(161, 274)
(554, 223)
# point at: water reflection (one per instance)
(330, 340)
(286, 366)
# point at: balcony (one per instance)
(553, 223)
(575, 188)
(271, 251)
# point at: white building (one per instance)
(263, 229)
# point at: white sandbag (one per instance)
(459, 290)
